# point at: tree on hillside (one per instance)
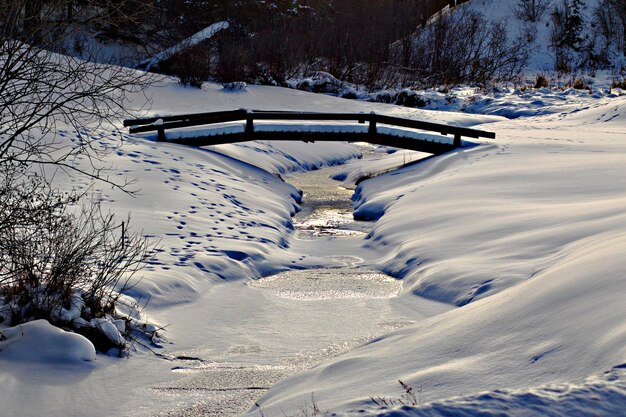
(607, 27)
(532, 10)
(465, 47)
(566, 33)
(619, 8)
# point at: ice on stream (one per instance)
(330, 283)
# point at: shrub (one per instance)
(64, 260)
(192, 66)
(579, 84)
(619, 84)
(541, 82)
(235, 86)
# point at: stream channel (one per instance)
(265, 330)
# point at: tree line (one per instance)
(374, 43)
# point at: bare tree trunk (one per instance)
(32, 20)
(624, 35)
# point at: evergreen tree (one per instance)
(568, 25)
(574, 26)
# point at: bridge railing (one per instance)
(161, 124)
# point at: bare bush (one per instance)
(465, 47)
(621, 84)
(579, 84)
(58, 254)
(410, 398)
(192, 66)
(541, 81)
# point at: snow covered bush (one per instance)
(235, 86)
(323, 82)
(63, 260)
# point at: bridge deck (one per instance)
(229, 127)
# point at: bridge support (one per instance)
(161, 134)
(372, 128)
(249, 125)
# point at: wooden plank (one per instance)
(188, 123)
(309, 116)
(379, 139)
(433, 127)
(207, 118)
(444, 129)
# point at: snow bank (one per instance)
(284, 157)
(502, 101)
(605, 395)
(39, 341)
(467, 224)
(215, 217)
(389, 159)
(537, 221)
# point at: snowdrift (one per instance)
(39, 341)
(537, 221)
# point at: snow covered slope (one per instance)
(597, 396)
(536, 221)
(542, 57)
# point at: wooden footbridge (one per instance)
(204, 129)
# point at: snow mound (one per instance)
(39, 341)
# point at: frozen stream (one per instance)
(262, 331)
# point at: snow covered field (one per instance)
(510, 255)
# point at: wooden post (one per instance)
(457, 140)
(250, 125)
(161, 134)
(372, 128)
